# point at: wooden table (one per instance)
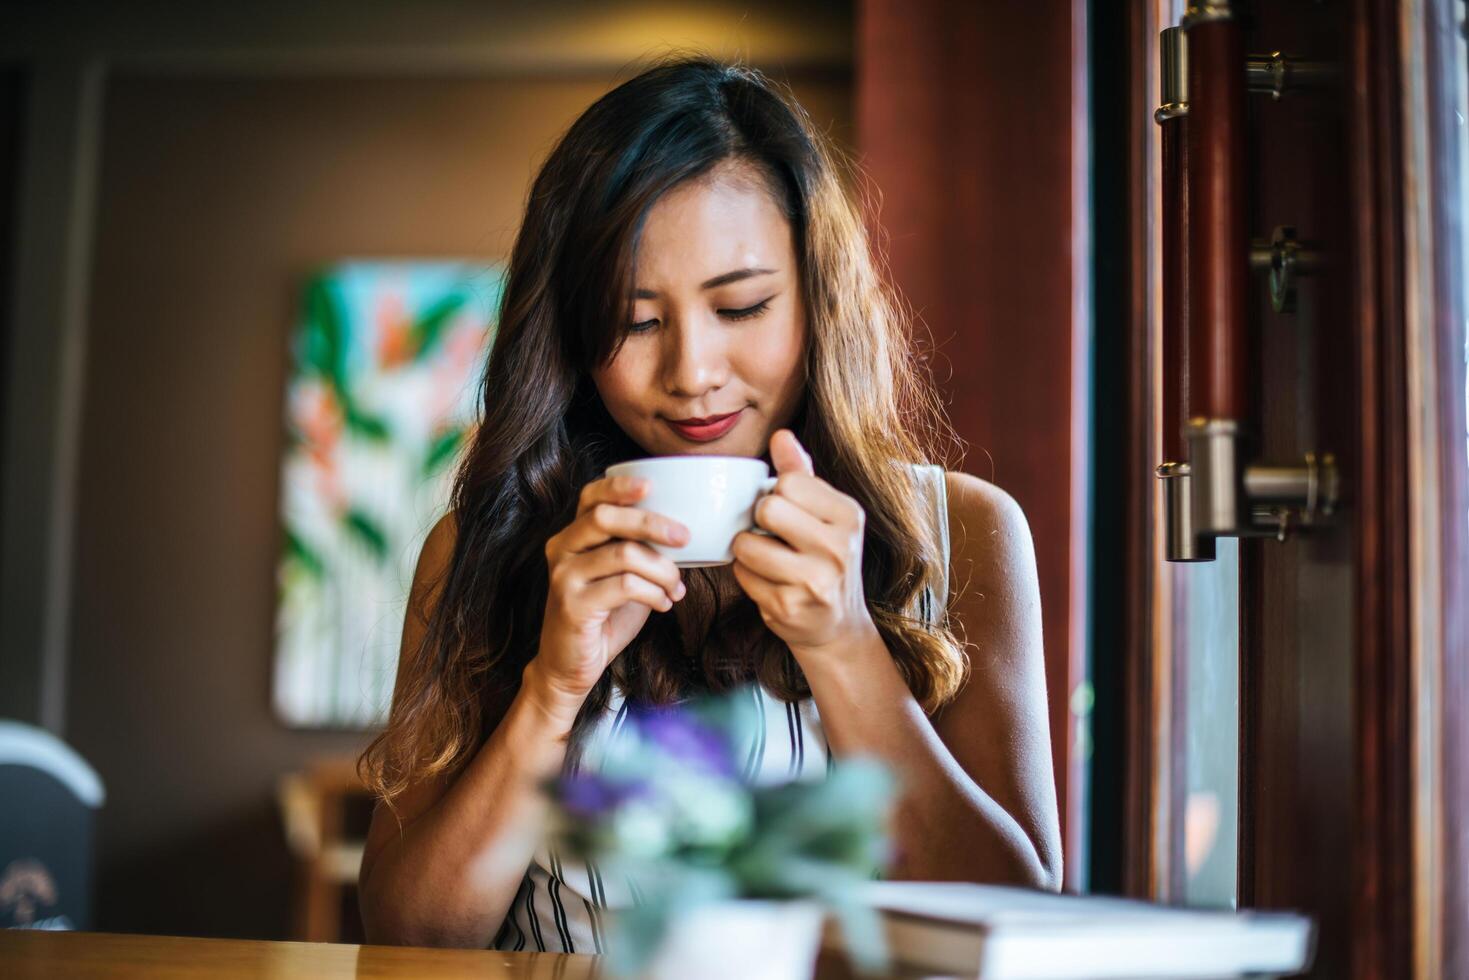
(26, 954)
(81, 955)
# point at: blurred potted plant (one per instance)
(735, 880)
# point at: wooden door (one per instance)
(1352, 640)
(1298, 631)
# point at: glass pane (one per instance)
(1209, 629)
(1206, 624)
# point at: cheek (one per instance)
(777, 363)
(623, 384)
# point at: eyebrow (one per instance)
(724, 279)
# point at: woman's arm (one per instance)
(979, 801)
(444, 869)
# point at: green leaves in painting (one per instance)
(430, 326)
(326, 333)
(441, 450)
(300, 552)
(325, 354)
(366, 530)
(368, 426)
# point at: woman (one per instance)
(692, 277)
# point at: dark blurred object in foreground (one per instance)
(49, 796)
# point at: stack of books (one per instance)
(996, 933)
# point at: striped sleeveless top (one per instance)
(561, 901)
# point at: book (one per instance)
(998, 933)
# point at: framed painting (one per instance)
(381, 397)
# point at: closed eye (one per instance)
(747, 313)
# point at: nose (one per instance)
(695, 359)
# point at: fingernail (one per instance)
(681, 591)
(678, 534)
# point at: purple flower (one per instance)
(684, 739)
(588, 796)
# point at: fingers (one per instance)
(797, 481)
(798, 527)
(604, 513)
(602, 560)
(760, 589)
(619, 590)
(817, 497)
(775, 561)
(787, 454)
(622, 557)
(620, 490)
(779, 600)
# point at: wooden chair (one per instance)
(313, 805)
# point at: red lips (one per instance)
(705, 429)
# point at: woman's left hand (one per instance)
(807, 580)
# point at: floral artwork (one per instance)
(381, 398)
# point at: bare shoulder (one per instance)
(433, 565)
(981, 501)
(438, 547)
(994, 595)
(986, 525)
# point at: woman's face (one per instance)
(715, 361)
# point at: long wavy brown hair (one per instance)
(867, 410)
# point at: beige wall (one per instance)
(217, 196)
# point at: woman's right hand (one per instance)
(605, 579)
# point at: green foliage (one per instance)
(326, 336)
(442, 450)
(299, 552)
(430, 326)
(366, 530)
(367, 426)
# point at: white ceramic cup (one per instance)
(713, 496)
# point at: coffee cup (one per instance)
(713, 496)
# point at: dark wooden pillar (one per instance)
(971, 123)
